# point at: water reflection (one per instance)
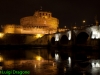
(0, 67)
(54, 62)
(56, 56)
(95, 67)
(69, 61)
(95, 63)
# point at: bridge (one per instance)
(86, 35)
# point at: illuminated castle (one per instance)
(40, 23)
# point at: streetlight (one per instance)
(83, 22)
(1, 35)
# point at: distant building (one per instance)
(40, 23)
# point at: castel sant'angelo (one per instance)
(40, 23)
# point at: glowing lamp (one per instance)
(83, 21)
(39, 35)
(38, 58)
(1, 35)
(1, 58)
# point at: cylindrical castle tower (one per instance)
(40, 19)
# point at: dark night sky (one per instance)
(68, 12)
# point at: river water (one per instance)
(42, 61)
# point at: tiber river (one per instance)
(39, 61)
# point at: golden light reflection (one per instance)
(53, 64)
(9, 62)
(0, 67)
(35, 66)
(64, 69)
(1, 58)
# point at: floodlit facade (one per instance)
(95, 32)
(40, 23)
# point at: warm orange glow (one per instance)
(1, 58)
(39, 23)
(38, 58)
(1, 35)
(75, 27)
(39, 35)
(83, 21)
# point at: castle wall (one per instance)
(39, 23)
(34, 31)
(9, 28)
(40, 19)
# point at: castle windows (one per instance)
(43, 14)
(46, 14)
